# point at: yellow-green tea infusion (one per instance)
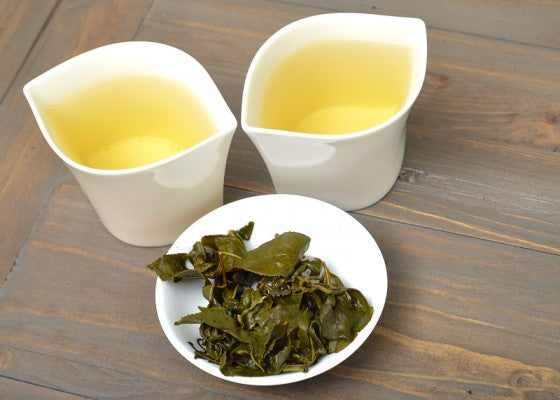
(127, 122)
(336, 87)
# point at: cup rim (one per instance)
(405, 108)
(231, 123)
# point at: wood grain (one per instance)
(497, 182)
(20, 23)
(470, 233)
(15, 390)
(102, 336)
(510, 20)
(471, 165)
(29, 166)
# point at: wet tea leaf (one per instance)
(270, 310)
(172, 267)
(277, 257)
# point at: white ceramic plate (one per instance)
(337, 238)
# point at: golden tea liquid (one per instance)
(335, 87)
(127, 122)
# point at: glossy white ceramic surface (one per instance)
(152, 204)
(353, 170)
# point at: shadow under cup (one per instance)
(343, 160)
(149, 204)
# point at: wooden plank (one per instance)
(498, 202)
(462, 316)
(533, 22)
(481, 156)
(15, 390)
(479, 141)
(489, 86)
(76, 26)
(21, 22)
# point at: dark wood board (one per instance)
(479, 142)
(509, 20)
(87, 312)
(14, 390)
(21, 23)
(470, 232)
(29, 166)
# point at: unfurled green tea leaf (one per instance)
(172, 267)
(246, 232)
(271, 309)
(277, 257)
(219, 318)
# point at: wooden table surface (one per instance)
(470, 232)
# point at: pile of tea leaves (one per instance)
(271, 309)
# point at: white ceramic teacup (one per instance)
(350, 170)
(148, 205)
